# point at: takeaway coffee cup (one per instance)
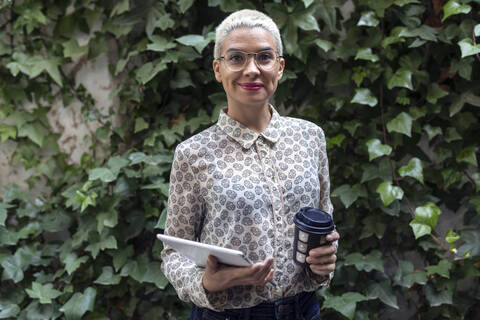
(311, 227)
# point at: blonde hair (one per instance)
(246, 19)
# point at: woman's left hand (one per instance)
(322, 259)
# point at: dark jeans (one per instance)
(303, 306)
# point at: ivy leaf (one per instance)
(107, 219)
(185, 5)
(8, 310)
(402, 79)
(476, 30)
(160, 44)
(377, 149)
(73, 262)
(442, 269)
(182, 79)
(463, 67)
(432, 131)
(384, 292)
(476, 179)
(103, 174)
(437, 298)
(459, 101)
(325, 45)
(471, 245)
(452, 7)
(34, 131)
(366, 54)
(3, 212)
(468, 48)
(372, 226)
(364, 96)
(345, 304)
(428, 214)
(121, 7)
(79, 304)
(401, 124)
(451, 236)
(419, 228)
(117, 163)
(45, 293)
(307, 3)
(6, 132)
(368, 19)
(197, 41)
(71, 48)
(413, 169)
(104, 242)
(143, 270)
(435, 92)
(388, 192)
(140, 124)
(369, 262)
(450, 177)
(468, 155)
(13, 268)
(406, 276)
(452, 135)
(149, 70)
(108, 277)
(120, 257)
(349, 194)
(306, 21)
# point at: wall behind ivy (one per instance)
(394, 84)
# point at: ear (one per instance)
(216, 70)
(281, 68)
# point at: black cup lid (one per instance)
(314, 221)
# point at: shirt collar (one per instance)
(245, 136)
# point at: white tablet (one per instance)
(199, 252)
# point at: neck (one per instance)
(253, 117)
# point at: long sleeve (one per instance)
(325, 203)
(184, 219)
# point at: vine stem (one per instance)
(385, 141)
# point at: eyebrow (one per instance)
(262, 49)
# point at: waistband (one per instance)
(285, 308)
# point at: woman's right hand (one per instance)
(219, 277)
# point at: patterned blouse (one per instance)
(233, 187)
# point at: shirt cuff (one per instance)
(212, 300)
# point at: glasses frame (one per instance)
(254, 54)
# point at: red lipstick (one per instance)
(251, 85)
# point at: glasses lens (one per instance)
(266, 59)
(235, 60)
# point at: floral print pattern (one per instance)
(233, 187)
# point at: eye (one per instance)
(235, 58)
(265, 57)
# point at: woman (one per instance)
(239, 183)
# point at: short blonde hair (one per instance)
(246, 19)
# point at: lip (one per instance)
(251, 85)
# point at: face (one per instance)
(251, 86)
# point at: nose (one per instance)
(251, 67)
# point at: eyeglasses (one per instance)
(237, 60)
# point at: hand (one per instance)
(218, 277)
(322, 259)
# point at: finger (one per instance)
(326, 250)
(322, 260)
(212, 264)
(322, 269)
(332, 236)
(325, 259)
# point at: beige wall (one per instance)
(67, 121)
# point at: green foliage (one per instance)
(394, 84)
